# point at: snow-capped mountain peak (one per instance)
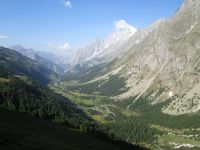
(107, 46)
(122, 32)
(124, 26)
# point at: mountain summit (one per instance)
(107, 49)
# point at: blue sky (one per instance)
(40, 23)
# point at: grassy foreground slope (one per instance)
(21, 132)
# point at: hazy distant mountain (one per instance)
(14, 63)
(100, 51)
(44, 58)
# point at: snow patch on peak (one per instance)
(123, 31)
(124, 26)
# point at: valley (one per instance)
(114, 115)
(42, 117)
(136, 88)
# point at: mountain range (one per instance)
(158, 63)
(140, 86)
(46, 59)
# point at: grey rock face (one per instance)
(168, 59)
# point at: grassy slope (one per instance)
(21, 132)
(181, 136)
(88, 103)
(112, 86)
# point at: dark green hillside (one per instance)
(149, 125)
(33, 98)
(14, 63)
(24, 131)
(20, 93)
(21, 132)
(152, 114)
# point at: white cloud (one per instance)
(120, 24)
(68, 4)
(58, 49)
(3, 36)
(65, 46)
